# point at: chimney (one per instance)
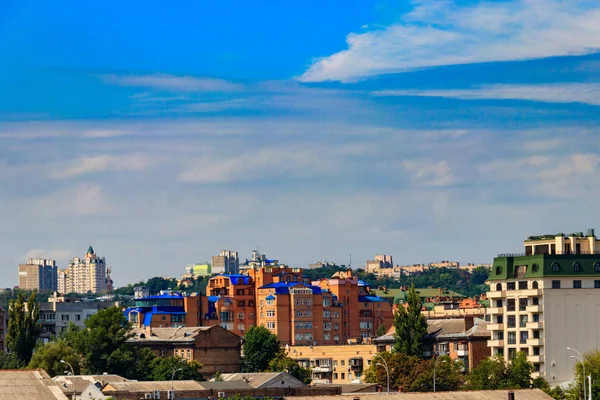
(148, 330)
(469, 322)
(511, 395)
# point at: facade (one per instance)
(380, 262)
(546, 300)
(227, 262)
(231, 302)
(88, 274)
(198, 270)
(59, 312)
(258, 261)
(336, 364)
(214, 347)
(38, 274)
(166, 310)
(140, 292)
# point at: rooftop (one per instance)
(29, 385)
(262, 379)
(136, 386)
(78, 383)
(520, 394)
(182, 334)
(540, 265)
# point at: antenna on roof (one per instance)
(350, 264)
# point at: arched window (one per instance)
(576, 267)
(597, 267)
(555, 267)
(498, 287)
(498, 270)
(535, 268)
(534, 285)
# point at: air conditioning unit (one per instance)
(221, 395)
(148, 396)
(156, 394)
(171, 395)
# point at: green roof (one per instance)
(540, 265)
(90, 250)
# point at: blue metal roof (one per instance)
(148, 316)
(270, 297)
(370, 299)
(213, 299)
(284, 287)
(167, 296)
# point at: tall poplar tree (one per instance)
(23, 326)
(411, 326)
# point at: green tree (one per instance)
(23, 327)
(381, 330)
(260, 347)
(411, 326)
(291, 366)
(10, 361)
(48, 357)
(518, 373)
(404, 370)
(448, 376)
(490, 374)
(162, 369)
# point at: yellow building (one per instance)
(335, 364)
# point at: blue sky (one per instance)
(425, 129)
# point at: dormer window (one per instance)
(555, 267)
(576, 267)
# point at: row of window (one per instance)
(555, 285)
(576, 284)
(556, 267)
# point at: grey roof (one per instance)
(182, 334)
(148, 386)
(349, 387)
(521, 394)
(455, 328)
(78, 383)
(225, 385)
(28, 385)
(262, 379)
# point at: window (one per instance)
(536, 334)
(511, 321)
(576, 284)
(512, 338)
(499, 319)
(343, 375)
(270, 302)
(299, 313)
(499, 335)
(536, 317)
(522, 304)
(336, 315)
(536, 351)
(555, 284)
(522, 321)
(270, 313)
(536, 367)
(335, 375)
(534, 285)
(499, 303)
(555, 267)
(523, 285)
(510, 286)
(535, 268)
(510, 305)
(597, 267)
(78, 317)
(241, 315)
(326, 314)
(576, 267)
(523, 336)
(241, 327)
(535, 301)
(498, 287)
(597, 284)
(250, 315)
(326, 302)
(498, 270)
(64, 317)
(270, 325)
(343, 363)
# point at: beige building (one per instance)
(337, 364)
(88, 274)
(544, 302)
(227, 262)
(38, 274)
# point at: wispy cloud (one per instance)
(172, 83)
(54, 254)
(81, 200)
(438, 33)
(102, 163)
(587, 93)
(430, 173)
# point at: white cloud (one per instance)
(172, 83)
(441, 33)
(588, 93)
(430, 173)
(54, 254)
(102, 163)
(81, 200)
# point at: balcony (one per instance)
(535, 359)
(535, 325)
(325, 368)
(496, 294)
(530, 292)
(535, 309)
(495, 327)
(495, 310)
(321, 381)
(495, 343)
(534, 342)
(462, 352)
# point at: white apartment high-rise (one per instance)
(227, 262)
(545, 300)
(84, 275)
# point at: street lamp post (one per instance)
(175, 369)
(435, 363)
(387, 370)
(580, 358)
(72, 373)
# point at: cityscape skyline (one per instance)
(424, 130)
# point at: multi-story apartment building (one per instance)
(88, 274)
(166, 310)
(227, 262)
(545, 300)
(195, 270)
(258, 261)
(38, 274)
(381, 261)
(59, 312)
(329, 311)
